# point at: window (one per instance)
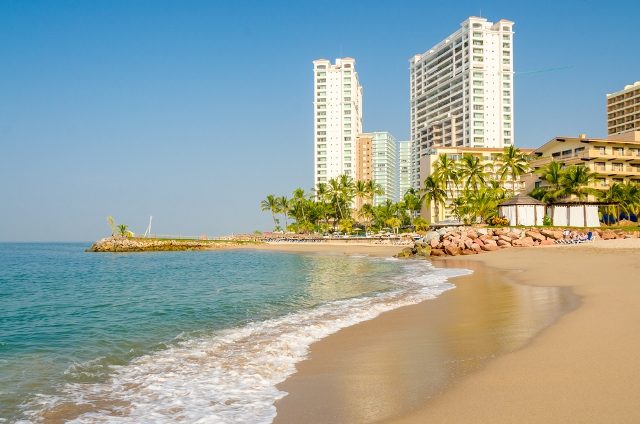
(506, 61)
(478, 75)
(507, 133)
(347, 99)
(506, 109)
(477, 34)
(478, 131)
(478, 91)
(506, 93)
(477, 50)
(478, 58)
(322, 113)
(478, 115)
(478, 83)
(506, 85)
(322, 133)
(478, 107)
(347, 139)
(478, 99)
(478, 123)
(506, 45)
(321, 120)
(322, 74)
(478, 43)
(347, 112)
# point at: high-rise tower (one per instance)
(337, 117)
(461, 92)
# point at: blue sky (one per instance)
(193, 111)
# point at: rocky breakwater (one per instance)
(471, 241)
(455, 241)
(126, 244)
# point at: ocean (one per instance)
(178, 336)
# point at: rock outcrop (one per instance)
(126, 244)
(455, 241)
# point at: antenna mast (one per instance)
(148, 230)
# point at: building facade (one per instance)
(363, 157)
(615, 159)
(461, 92)
(384, 172)
(337, 117)
(623, 110)
(488, 160)
(404, 163)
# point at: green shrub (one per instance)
(546, 221)
(498, 221)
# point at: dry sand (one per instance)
(333, 247)
(469, 356)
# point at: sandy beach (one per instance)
(333, 247)
(534, 335)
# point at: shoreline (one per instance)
(493, 391)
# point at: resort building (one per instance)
(616, 159)
(623, 110)
(488, 159)
(461, 92)
(376, 160)
(384, 166)
(337, 117)
(363, 157)
(404, 162)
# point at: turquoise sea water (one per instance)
(177, 336)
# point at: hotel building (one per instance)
(461, 92)
(616, 159)
(488, 159)
(337, 117)
(377, 160)
(623, 110)
(404, 162)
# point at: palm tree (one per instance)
(552, 174)
(413, 202)
(433, 194)
(122, 228)
(513, 162)
(366, 214)
(271, 204)
(631, 198)
(298, 202)
(446, 170)
(472, 171)
(613, 195)
(373, 189)
(576, 180)
(360, 191)
(284, 207)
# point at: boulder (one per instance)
(472, 234)
(555, 235)
(536, 236)
(435, 242)
(506, 239)
(476, 247)
(452, 250)
(608, 235)
(489, 247)
(430, 236)
(504, 243)
(437, 252)
(523, 242)
(514, 235)
(469, 252)
(547, 242)
(405, 253)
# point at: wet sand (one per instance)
(485, 352)
(388, 367)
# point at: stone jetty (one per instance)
(456, 241)
(133, 244)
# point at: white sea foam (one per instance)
(231, 376)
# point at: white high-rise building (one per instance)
(384, 160)
(404, 161)
(337, 117)
(461, 92)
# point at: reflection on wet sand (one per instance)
(383, 368)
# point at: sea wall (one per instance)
(455, 241)
(126, 244)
